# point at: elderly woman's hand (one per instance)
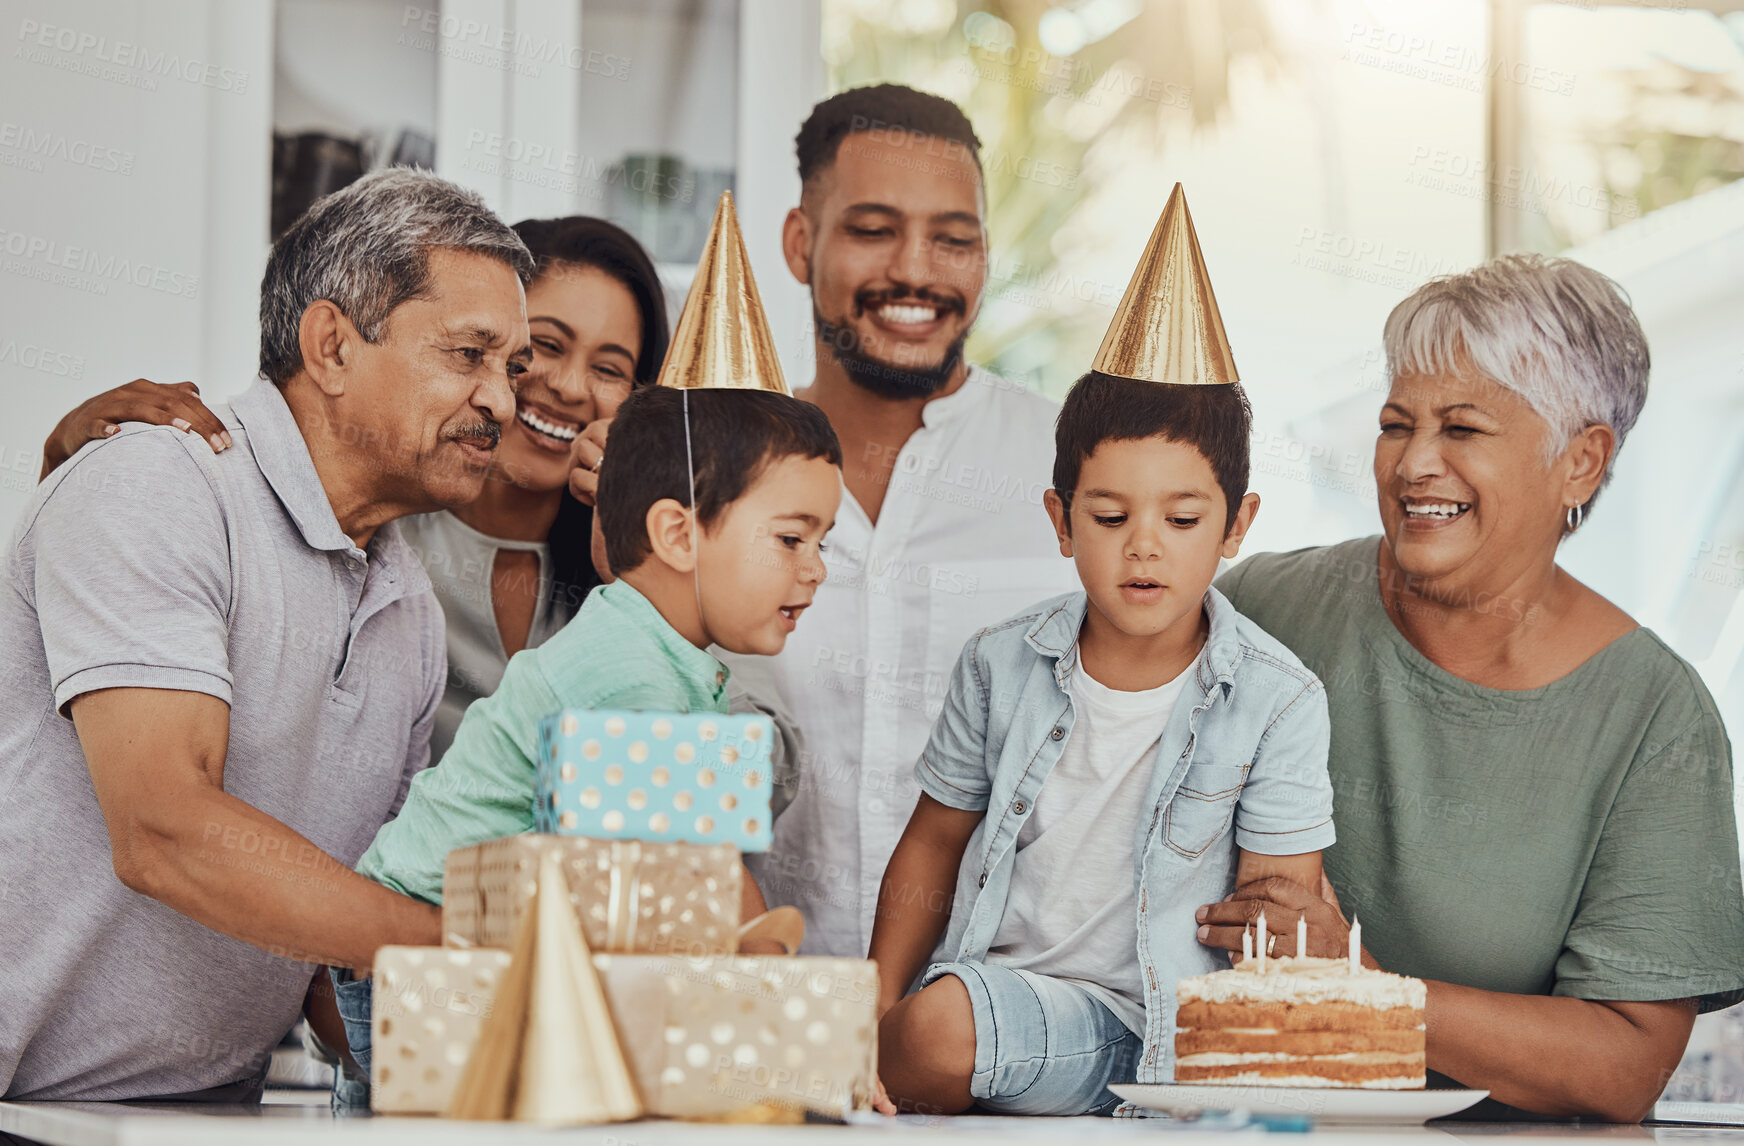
(1283, 901)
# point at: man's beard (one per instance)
(883, 378)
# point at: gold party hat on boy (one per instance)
(1167, 328)
(722, 341)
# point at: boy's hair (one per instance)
(1215, 420)
(734, 436)
(883, 108)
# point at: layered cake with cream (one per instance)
(1300, 1022)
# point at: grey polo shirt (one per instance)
(146, 561)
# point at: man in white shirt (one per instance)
(942, 531)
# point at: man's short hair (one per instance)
(366, 249)
(880, 108)
(1215, 420)
(733, 436)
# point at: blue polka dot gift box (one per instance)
(666, 777)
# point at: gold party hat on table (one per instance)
(549, 1052)
(722, 341)
(1167, 328)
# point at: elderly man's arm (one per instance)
(157, 763)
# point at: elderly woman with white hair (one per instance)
(1533, 793)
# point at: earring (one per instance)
(1575, 516)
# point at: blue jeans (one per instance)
(352, 996)
(1042, 1046)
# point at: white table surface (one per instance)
(302, 1117)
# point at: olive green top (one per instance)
(1576, 839)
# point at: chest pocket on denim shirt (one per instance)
(1200, 812)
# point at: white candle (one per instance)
(1260, 943)
(1355, 944)
(1301, 935)
(1246, 945)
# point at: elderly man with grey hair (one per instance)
(223, 667)
(1533, 793)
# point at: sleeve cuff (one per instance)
(167, 677)
(398, 874)
(1715, 994)
(945, 792)
(1295, 842)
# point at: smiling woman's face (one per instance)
(1467, 501)
(586, 331)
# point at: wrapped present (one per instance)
(549, 1050)
(630, 896)
(707, 1038)
(699, 778)
(427, 1007)
(710, 1037)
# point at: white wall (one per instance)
(134, 170)
(778, 52)
(351, 67)
(539, 139)
(134, 201)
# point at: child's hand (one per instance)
(881, 1097)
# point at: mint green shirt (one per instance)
(1576, 839)
(618, 652)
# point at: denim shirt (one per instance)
(1245, 746)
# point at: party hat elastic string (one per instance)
(721, 342)
(695, 538)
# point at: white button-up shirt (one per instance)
(962, 542)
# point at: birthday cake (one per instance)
(1300, 1022)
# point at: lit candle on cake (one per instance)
(1302, 935)
(1261, 943)
(1355, 944)
(1246, 945)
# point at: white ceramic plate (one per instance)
(1329, 1105)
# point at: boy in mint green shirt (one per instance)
(767, 485)
(483, 788)
(735, 571)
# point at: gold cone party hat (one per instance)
(549, 1052)
(1167, 328)
(722, 341)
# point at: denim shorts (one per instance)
(352, 996)
(1042, 1046)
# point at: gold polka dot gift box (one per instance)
(703, 1037)
(631, 896)
(661, 777)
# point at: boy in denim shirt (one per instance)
(1080, 784)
